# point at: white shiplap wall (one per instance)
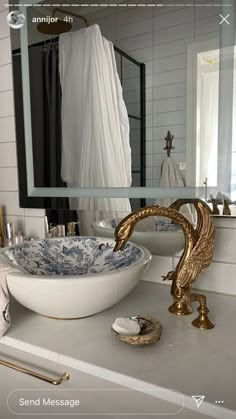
(30, 221)
(160, 37)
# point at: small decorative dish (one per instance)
(150, 332)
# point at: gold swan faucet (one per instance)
(197, 255)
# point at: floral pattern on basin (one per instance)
(71, 256)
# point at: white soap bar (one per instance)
(125, 326)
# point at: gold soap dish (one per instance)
(151, 330)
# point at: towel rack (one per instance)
(65, 376)
(169, 138)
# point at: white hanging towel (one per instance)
(172, 178)
(95, 125)
(4, 297)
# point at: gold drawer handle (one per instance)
(65, 376)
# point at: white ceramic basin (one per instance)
(157, 234)
(73, 277)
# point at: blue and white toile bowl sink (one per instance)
(73, 277)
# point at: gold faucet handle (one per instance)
(215, 209)
(52, 231)
(71, 228)
(168, 277)
(226, 209)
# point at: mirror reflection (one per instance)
(139, 96)
(168, 241)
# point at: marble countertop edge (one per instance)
(169, 395)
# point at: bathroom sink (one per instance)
(73, 277)
(157, 234)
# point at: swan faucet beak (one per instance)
(119, 245)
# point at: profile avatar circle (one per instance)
(16, 19)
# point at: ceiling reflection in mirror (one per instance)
(128, 96)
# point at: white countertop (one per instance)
(186, 359)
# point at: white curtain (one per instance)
(95, 126)
(207, 129)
